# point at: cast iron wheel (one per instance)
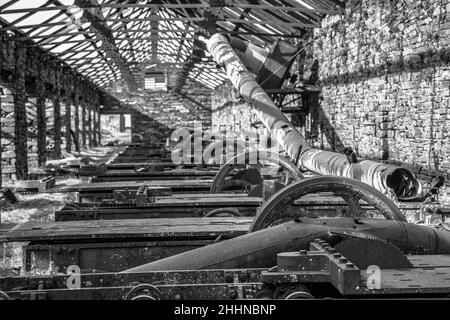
(220, 183)
(143, 292)
(279, 208)
(224, 211)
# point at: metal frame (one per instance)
(113, 40)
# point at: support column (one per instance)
(99, 126)
(20, 115)
(91, 138)
(83, 125)
(68, 103)
(58, 124)
(1, 128)
(94, 129)
(76, 130)
(41, 124)
(122, 123)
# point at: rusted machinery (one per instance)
(295, 236)
(316, 254)
(116, 245)
(383, 177)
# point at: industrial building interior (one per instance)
(224, 150)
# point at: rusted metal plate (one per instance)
(168, 207)
(131, 175)
(176, 186)
(412, 281)
(222, 292)
(159, 165)
(325, 264)
(430, 261)
(105, 280)
(186, 285)
(184, 228)
(103, 257)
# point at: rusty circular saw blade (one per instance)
(366, 252)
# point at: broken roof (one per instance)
(110, 41)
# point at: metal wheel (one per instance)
(221, 183)
(292, 292)
(143, 292)
(359, 200)
(224, 211)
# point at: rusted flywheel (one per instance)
(359, 200)
(243, 162)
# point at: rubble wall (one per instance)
(383, 68)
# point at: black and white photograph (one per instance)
(225, 156)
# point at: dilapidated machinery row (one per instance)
(310, 224)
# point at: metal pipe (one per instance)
(260, 249)
(385, 178)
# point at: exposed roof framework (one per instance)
(109, 41)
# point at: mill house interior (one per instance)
(224, 150)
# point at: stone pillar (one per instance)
(76, 130)
(1, 128)
(58, 124)
(20, 114)
(90, 126)
(83, 125)
(99, 126)
(41, 123)
(68, 103)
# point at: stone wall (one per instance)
(7, 133)
(383, 67)
(155, 115)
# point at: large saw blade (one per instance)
(365, 252)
